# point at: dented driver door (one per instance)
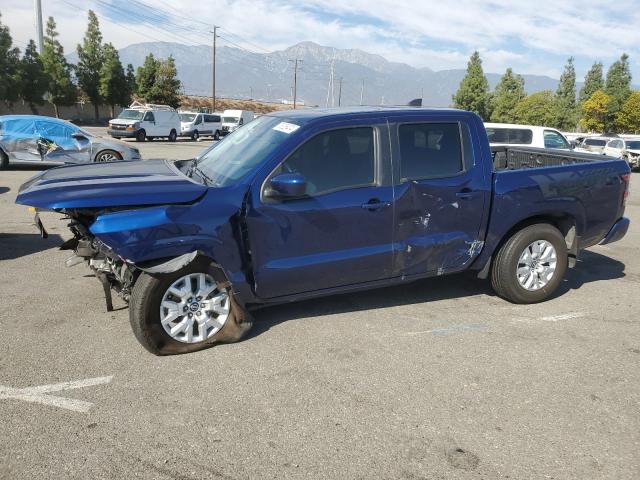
(440, 197)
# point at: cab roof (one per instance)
(310, 114)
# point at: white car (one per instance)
(593, 144)
(234, 119)
(146, 122)
(507, 134)
(196, 124)
(628, 149)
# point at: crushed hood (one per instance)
(150, 182)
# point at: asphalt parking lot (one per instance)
(439, 379)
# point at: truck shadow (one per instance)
(592, 267)
(16, 245)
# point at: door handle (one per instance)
(375, 204)
(465, 194)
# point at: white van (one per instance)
(234, 119)
(146, 121)
(510, 135)
(197, 124)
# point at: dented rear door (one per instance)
(440, 197)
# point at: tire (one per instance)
(150, 139)
(216, 136)
(4, 160)
(107, 156)
(173, 136)
(145, 312)
(141, 135)
(505, 273)
(195, 136)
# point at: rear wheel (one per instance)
(4, 160)
(530, 265)
(173, 136)
(141, 135)
(185, 311)
(150, 139)
(107, 156)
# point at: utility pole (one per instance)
(213, 89)
(295, 79)
(340, 92)
(361, 92)
(37, 7)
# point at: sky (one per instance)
(531, 37)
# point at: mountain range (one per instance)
(269, 76)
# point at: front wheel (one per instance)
(195, 136)
(185, 311)
(530, 265)
(216, 136)
(107, 156)
(141, 135)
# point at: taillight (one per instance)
(626, 178)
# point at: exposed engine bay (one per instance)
(113, 271)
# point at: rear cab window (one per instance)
(430, 150)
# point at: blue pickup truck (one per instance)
(307, 203)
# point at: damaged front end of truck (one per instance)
(125, 219)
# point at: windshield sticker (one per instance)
(286, 127)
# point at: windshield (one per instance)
(131, 115)
(595, 143)
(187, 117)
(230, 119)
(234, 157)
(633, 145)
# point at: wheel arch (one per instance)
(565, 222)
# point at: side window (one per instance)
(618, 144)
(554, 140)
(198, 120)
(19, 127)
(429, 150)
(148, 117)
(215, 118)
(53, 130)
(335, 160)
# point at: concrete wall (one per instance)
(78, 113)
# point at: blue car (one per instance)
(307, 203)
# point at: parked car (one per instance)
(306, 203)
(195, 124)
(234, 119)
(506, 134)
(33, 138)
(594, 144)
(146, 122)
(629, 149)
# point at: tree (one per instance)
(90, 59)
(628, 118)
(114, 89)
(595, 112)
(536, 109)
(593, 81)
(508, 93)
(166, 88)
(132, 86)
(474, 88)
(61, 90)
(618, 85)
(33, 79)
(565, 99)
(9, 65)
(146, 76)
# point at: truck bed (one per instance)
(515, 158)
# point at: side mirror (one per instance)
(287, 185)
(78, 136)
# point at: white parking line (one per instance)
(40, 394)
(564, 316)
